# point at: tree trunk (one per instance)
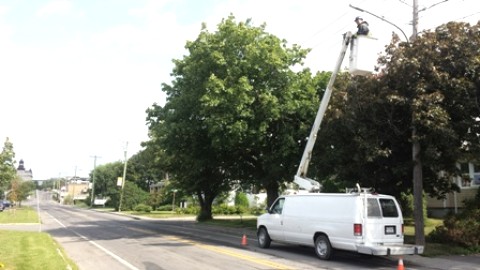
(272, 193)
(417, 190)
(205, 207)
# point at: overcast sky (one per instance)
(76, 76)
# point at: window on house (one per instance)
(466, 177)
(476, 174)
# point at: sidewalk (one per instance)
(460, 262)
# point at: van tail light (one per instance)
(357, 229)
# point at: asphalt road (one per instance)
(96, 240)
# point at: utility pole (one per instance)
(415, 20)
(416, 149)
(74, 184)
(123, 178)
(93, 180)
(417, 161)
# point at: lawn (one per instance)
(157, 214)
(19, 215)
(29, 250)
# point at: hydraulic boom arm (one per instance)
(301, 176)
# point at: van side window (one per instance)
(389, 208)
(373, 208)
(278, 206)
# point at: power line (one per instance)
(326, 27)
(478, 12)
(436, 4)
(405, 3)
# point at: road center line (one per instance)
(233, 254)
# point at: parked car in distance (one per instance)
(2, 206)
(6, 204)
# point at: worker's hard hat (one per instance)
(358, 19)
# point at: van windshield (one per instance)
(386, 208)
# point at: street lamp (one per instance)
(381, 18)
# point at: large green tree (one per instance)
(428, 92)
(7, 165)
(20, 190)
(235, 110)
(106, 176)
(146, 167)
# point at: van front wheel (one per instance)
(323, 248)
(263, 238)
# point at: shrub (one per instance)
(407, 205)
(166, 207)
(406, 202)
(133, 195)
(223, 210)
(240, 210)
(190, 210)
(155, 199)
(463, 228)
(257, 210)
(241, 200)
(68, 200)
(143, 208)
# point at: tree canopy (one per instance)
(7, 164)
(432, 84)
(235, 111)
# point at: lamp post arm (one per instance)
(381, 18)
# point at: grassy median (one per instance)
(19, 215)
(29, 250)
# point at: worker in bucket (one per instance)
(362, 26)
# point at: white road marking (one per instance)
(111, 254)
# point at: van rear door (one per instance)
(384, 221)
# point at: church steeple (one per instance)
(24, 174)
(21, 166)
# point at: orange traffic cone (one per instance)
(400, 264)
(244, 240)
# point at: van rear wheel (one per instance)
(323, 248)
(263, 238)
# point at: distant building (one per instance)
(24, 174)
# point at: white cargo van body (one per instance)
(365, 223)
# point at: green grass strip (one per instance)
(18, 215)
(31, 251)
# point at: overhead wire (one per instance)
(332, 39)
(446, 19)
(436, 4)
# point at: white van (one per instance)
(360, 222)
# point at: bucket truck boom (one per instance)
(301, 178)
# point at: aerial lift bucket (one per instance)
(364, 52)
